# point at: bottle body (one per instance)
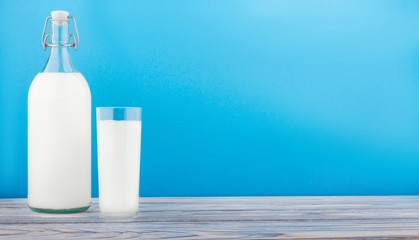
(59, 142)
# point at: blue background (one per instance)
(239, 97)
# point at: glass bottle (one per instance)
(59, 128)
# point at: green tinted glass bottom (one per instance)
(71, 210)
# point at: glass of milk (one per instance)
(118, 143)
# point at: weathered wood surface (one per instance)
(383, 217)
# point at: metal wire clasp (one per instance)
(75, 39)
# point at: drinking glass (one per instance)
(118, 144)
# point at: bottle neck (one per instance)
(59, 58)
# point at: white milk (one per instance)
(119, 166)
(59, 141)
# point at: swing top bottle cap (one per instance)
(59, 15)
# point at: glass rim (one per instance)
(119, 108)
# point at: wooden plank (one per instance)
(382, 217)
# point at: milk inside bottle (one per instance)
(59, 127)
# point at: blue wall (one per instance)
(239, 97)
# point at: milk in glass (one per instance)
(119, 166)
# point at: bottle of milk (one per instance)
(59, 127)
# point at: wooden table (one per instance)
(383, 217)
